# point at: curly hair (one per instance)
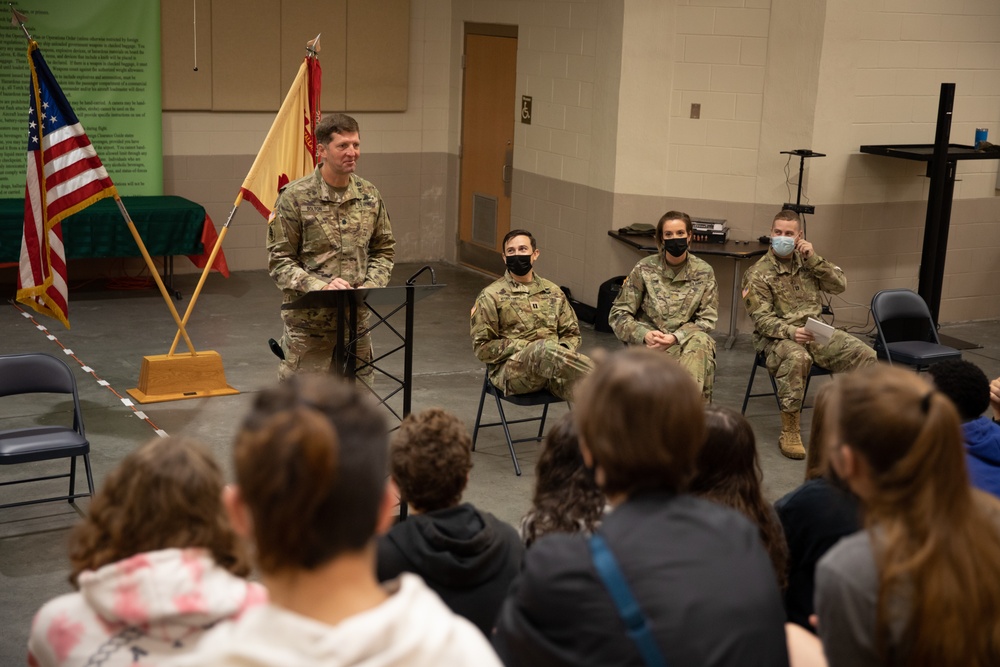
(430, 459)
(165, 494)
(728, 472)
(566, 500)
(965, 384)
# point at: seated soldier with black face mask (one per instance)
(670, 302)
(524, 329)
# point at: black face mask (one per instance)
(519, 265)
(676, 247)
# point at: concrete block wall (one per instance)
(719, 64)
(612, 141)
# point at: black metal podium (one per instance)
(347, 302)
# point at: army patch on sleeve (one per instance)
(473, 313)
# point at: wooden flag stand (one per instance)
(173, 377)
(170, 377)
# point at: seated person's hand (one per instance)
(805, 248)
(803, 336)
(657, 340)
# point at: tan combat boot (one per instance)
(790, 441)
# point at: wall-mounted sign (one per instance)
(526, 109)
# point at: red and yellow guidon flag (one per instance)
(289, 149)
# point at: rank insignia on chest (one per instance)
(535, 306)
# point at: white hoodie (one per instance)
(411, 628)
(138, 610)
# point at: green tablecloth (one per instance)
(168, 226)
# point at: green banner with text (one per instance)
(105, 55)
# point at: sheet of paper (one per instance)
(821, 331)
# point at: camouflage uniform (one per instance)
(683, 301)
(780, 296)
(527, 334)
(314, 236)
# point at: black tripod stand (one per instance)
(798, 206)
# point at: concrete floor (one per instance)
(112, 331)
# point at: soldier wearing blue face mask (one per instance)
(524, 329)
(781, 291)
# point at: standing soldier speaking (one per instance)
(329, 231)
(781, 291)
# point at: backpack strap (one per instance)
(636, 624)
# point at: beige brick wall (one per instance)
(720, 53)
(882, 68)
(612, 143)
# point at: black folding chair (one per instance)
(760, 360)
(37, 373)
(536, 398)
(906, 331)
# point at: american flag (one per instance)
(64, 176)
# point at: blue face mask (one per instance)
(782, 245)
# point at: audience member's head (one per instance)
(816, 461)
(430, 459)
(566, 498)
(727, 471)
(640, 421)
(310, 462)
(893, 430)
(898, 443)
(965, 384)
(165, 494)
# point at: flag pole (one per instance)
(153, 270)
(312, 51)
(204, 273)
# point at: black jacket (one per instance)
(466, 556)
(699, 573)
(814, 517)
